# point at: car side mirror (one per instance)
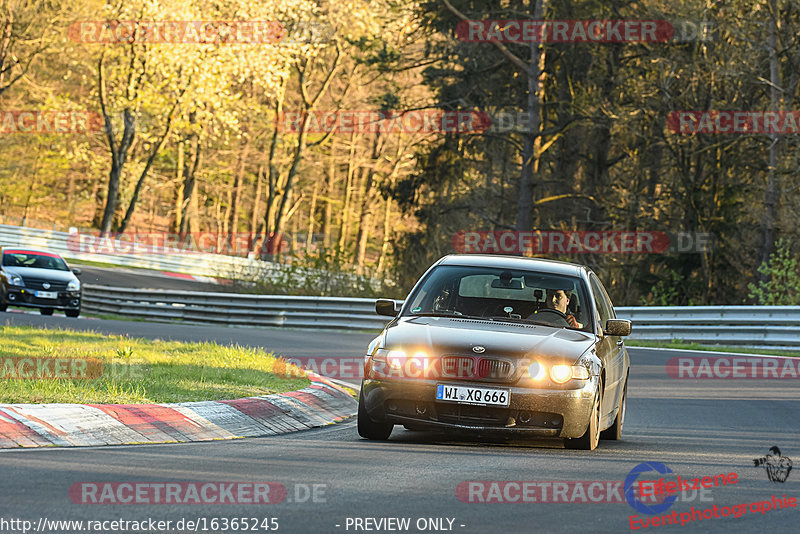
(617, 327)
(386, 307)
(76, 271)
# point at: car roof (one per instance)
(5, 248)
(515, 262)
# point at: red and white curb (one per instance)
(75, 425)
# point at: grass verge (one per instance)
(677, 344)
(96, 368)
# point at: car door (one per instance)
(609, 349)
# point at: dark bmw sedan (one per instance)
(497, 345)
(38, 279)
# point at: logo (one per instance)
(477, 349)
(630, 488)
(778, 467)
(46, 285)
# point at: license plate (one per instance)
(46, 295)
(471, 395)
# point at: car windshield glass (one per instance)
(33, 260)
(509, 295)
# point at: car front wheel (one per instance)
(46, 311)
(367, 428)
(72, 313)
(589, 440)
(614, 432)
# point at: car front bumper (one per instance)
(67, 300)
(535, 411)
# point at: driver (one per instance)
(558, 299)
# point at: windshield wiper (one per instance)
(440, 314)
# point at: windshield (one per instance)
(36, 260)
(503, 294)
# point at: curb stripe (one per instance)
(74, 425)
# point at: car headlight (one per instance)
(16, 280)
(74, 285)
(399, 363)
(562, 373)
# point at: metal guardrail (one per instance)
(195, 263)
(724, 325)
(718, 325)
(199, 264)
(234, 309)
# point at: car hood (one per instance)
(443, 335)
(45, 274)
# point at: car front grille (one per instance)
(473, 415)
(476, 368)
(38, 283)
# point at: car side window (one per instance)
(601, 302)
(604, 295)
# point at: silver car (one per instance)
(38, 279)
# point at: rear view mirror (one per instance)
(617, 327)
(510, 284)
(386, 307)
(76, 271)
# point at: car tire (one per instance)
(46, 311)
(72, 313)
(367, 428)
(614, 432)
(589, 440)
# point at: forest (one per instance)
(373, 137)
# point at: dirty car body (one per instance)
(477, 348)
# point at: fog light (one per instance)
(392, 407)
(74, 302)
(524, 417)
(12, 296)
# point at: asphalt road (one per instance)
(696, 428)
(143, 278)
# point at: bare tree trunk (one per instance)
(344, 228)
(771, 193)
(329, 191)
(535, 72)
(387, 227)
(119, 152)
(309, 104)
(273, 175)
(179, 189)
(256, 208)
(311, 216)
(233, 223)
(151, 158)
(189, 204)
(365, 213)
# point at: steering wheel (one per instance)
(558, 318)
